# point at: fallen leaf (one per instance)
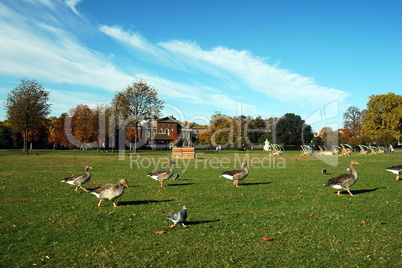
(362, 223)
(267, 238)
(159, 232)
(73, 207)
(272, 198)
(72, 222)
(311, 215)
(383, 223)
(52, 222)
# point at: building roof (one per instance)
(167, 119)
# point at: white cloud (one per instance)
(241, 68)
(71, 4)
(255, 73)
(46, 52)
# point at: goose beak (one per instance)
(126, 185)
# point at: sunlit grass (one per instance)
(44, 222)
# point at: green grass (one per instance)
(45, 223)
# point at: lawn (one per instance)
(44, 222)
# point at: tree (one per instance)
(386, 139)
(84, 124)
(291, 130)
(5, 136)
(57, 135)
(258, 131)
(352, 120)
(137, 102)
(27, 107)
(384, 114)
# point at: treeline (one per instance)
(85, 127)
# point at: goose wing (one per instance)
(103, 188)
(343, 180)
(73, 177)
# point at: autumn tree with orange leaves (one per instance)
(84, 124)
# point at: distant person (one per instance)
(391, 149)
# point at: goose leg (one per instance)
(172, 226)
(339, 193)
(237, 184)
(84, 189)
(76, 189)
(114, 204)
(350, 193)
(100, 202)
(183, 225)
(161, 184)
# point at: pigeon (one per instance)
(178, 217)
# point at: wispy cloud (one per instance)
(71, 4)
(34, 48)
(45, 45)
(251, 72)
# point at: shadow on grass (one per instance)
(363, 191)
(200, 222)
(253, 183)
(141, 202)
(181, 184)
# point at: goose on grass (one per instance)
(397, 170)
(344, 181)
(79, 179)
(110, 192)
(236, 175)
(163, 175)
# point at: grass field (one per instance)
(46, 223)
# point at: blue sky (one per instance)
(257, 58)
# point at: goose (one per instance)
(397, 170)
(178, 217)
(344, 181)
(79, 179)
(164, 174)
(110, 192)
(236, 175)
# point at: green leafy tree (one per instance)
(291, 130)
(27, 107)
(137, 102)
(258, 131)
(5, 136)
(384, 115)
